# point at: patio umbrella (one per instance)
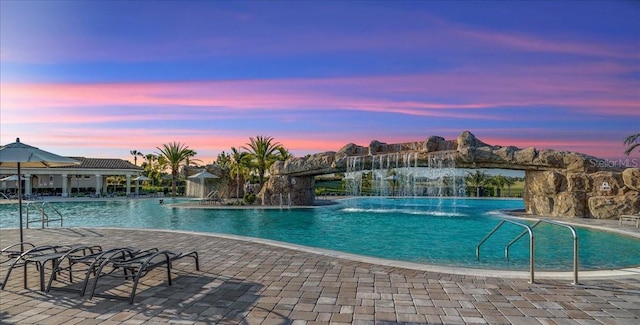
(19, 155)
(203, 175)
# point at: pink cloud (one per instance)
(532, 44)
(458, 92)
(231, 95)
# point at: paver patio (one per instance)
(244, 282)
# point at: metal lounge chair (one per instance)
(137, 266)
(40, 255)
(211, 198)
(12, 251)
(628, 217)
(75, 257)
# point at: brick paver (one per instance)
(242, 282)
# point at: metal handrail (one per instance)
(531, 245)
(44, 216)
(575, 244)
(4, 196)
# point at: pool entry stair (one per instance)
(43, 213)
(529, 230)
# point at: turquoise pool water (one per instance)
(422, 230)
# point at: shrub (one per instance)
(249, 198)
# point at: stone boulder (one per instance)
(602, 194)
(545, 182)
(631, 178)
(525, 157)
(550, 158)
(320, 163)
(352, 150)
(605, 183)
(610, 207)
(579, 162)
(466, 139)
(435, 143)
(284, 190)
(377, 147)
(541, 205)
(572, 204)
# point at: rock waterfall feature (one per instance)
(557, 183)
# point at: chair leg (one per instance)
(169, 271)
(6, 278)
(42, 277)
(136, 278)
(24, 271)
(97, 276)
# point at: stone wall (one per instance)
(602, 195)
(557, 183)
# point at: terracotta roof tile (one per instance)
(103, 163)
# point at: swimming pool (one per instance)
(441, 231)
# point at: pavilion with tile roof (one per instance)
(90, 174)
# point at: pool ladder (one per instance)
(529, 230)
(44, 216)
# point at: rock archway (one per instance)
(557, 183)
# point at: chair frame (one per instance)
(91, 261)
(137, 266)
(39, 256)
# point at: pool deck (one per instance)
(250, 281)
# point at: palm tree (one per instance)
(223, 160)
(161, 165)
(509, 182)
(283, 154)
(192, 162)
(499, 181)
(632, 142)
(150, 167)
(477, 179)
(176, 155)
(263, 152)
(238, 167)
(135, 154)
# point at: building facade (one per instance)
(90, 177)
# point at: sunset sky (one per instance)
(101, 78)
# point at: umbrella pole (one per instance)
(20, 204)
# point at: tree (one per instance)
(499, 181)
(192, 162)
(633, 142)
(238, 167)
(151, 167)
(477, 179)
(223, 160)
(176, 155)
(263, 152)
(136, 154)
(509, 182)
(283, 154)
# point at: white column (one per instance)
(65, 183)
(128, 184)
(98, 184)
(27, 184)
(105, 187)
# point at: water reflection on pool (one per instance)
(442, 231)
